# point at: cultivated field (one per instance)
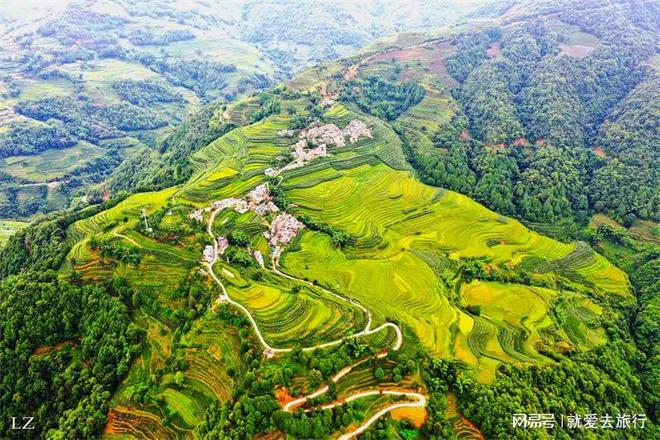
(8, 228)
(410, 243)
(50, 164)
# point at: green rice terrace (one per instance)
(367, 258)
(436, 237)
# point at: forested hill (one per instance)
(567, 92)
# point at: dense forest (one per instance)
(146, 92)
(64, 345)
(382, 98)
(204, 77)
(549, 138)
(88, 121)
(28, 139)
(63, 350)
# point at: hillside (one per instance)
(447, 268)
(411, 242)
(88, 85)
(556, 91)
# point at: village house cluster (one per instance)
(260, 258)
(357, 129)
(286, 133)
(314, 141)
(283, 229)
(197, 215)
(302, 153)
(221, 244)
(258, 200)
(327, 134)
(327, 102)
(209, 253)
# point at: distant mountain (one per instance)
(95, 82)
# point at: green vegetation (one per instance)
(89, 121)
(30, 139)
(449, 271)
(267, 106)
(8, 228)
(146, 92)
(76, 349)
(561, 138)
(394, 228)
(382, 99)
(52, 163)
(143, 68)
(470, 52)
(397, 283)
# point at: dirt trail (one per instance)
(129, 239)
(419, 403)
(351, 71)
(269, 351)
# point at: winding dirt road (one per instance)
(419, 403)
(225, 297)
(419, 399)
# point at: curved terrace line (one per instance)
(419, 399)
(269, 348)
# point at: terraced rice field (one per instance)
(399, 224)
(127, 422)
(514, 319)
(248, 149)
(50, 164)
(463, 428)
(376, 201)
(307, 317)
(404, 230)
(410, 241)
(309, 78)
(423, 119)
(416, 300)
(362, 378)
(112, 223)
(411, 63)
(211, 349)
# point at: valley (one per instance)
(119, 75)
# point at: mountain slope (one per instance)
(120, 74)
(310, 274)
